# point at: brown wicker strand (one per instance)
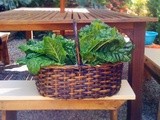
(78, 82)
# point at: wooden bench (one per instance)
(4, 56)
(152, 67)
(23, 95)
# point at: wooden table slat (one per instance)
(75, 16)
(58, 16)
(35, 15)
(83, 16)
(96, 13)
(26, 90)
(40, 16)
(153, 55)
(69, 15)
(107, 15)
(88, 16)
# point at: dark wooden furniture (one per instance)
(152, 63)
(152, 67)
(4, 56)
(29, 19)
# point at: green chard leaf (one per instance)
(32, 46)
(34, 64)
(54, 49)
(100, 44)
(22, 61)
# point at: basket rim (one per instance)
(84, 65)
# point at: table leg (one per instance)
(1, 48)
(29, 35)
(62, 32)
(9, 115)
(114, 115)
(5, 58)
(62, 6)
(136, 70)
(158, 115)
(147, 75)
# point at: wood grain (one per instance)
(23, 95)
(53, 15)
(26, 90)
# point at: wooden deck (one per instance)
(15, 72)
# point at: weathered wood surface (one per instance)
(16, 72)
(152, 67)
(152, 63)
(52, 16)
(153, 55)
(20, 91)
(23, 95)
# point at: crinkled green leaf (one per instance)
(22, 61)
(34, 64)
(24, 47)
(32, 55)
(33, 46)
(100, 43)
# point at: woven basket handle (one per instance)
(78, 56)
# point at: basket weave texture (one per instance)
(79, 82)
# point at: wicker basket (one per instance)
(79, 81)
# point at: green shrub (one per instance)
(12, 4)
(154, 11)
(138, 7)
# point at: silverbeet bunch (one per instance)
(99, 44)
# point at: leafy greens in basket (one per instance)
(99, 44)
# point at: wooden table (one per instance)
(4, 55)
(28, 19)
(152, 67)
(153, 55)
(23, 95)
(152, 63)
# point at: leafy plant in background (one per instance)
(154, 11)
(117, 5)
(12, 4)
(138, 7)
(98, 3)
(99, 44)
(44, 3)
(92, 3)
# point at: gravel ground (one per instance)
(150, 100)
